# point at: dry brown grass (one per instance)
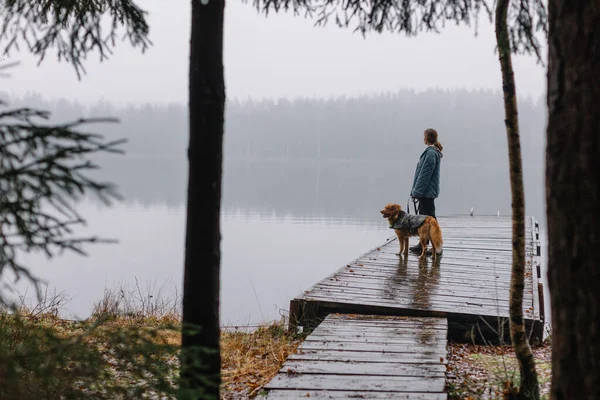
(250, 360)
(250, 357)
(137, 303)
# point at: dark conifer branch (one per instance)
(43, 172)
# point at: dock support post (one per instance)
(542, 311)
(304, 314)
(310, 315)
(295, 309)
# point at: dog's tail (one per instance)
(435, 234)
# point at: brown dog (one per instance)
(405, 226)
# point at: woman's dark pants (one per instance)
(426, 207)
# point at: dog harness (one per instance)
(409, 221)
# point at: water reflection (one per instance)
(427, 283)
(336, 189)
(413, 286)
(286, 225)
(418, 282)
(266, 260)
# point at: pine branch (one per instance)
(73, 27)
(43, 172)
(410, 17)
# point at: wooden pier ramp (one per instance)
(367, 357)
(464, 296)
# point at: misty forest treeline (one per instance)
(354, 153)
(383, 127)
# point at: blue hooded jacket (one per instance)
(426, 182)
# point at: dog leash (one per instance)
(415, 201)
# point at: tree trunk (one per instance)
(529, 388)
(201, 361)
(573, 195)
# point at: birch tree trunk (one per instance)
(529, 388)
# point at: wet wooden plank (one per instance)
(354, 320)
(491, 238)
(377, 327)
(435, 279)
(358, 394)
(425, 348)
(491, 244)
(479, 220)
(449, 266)
(372, 333)
(375, 270)
(362, 356)
(476, 231)
(362, 382)
(450, 297)
(423, 276)
(391, 249)
(365, 357)
(391, 331)
(451, 281)
(351, 343)
(389, 255)
(401, 321)
(358, 368)
(448, 284)
(447, 262)
(442, 285)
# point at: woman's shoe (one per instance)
(417, 250)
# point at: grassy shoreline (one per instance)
(125, 356)
(129, 350)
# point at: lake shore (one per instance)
(250, 358)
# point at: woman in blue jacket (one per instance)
(426, 183)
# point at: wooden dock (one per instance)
(379, 325)
(369, 358)
(469, 285)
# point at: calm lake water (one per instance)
(285, 225)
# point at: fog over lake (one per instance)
(304, 180)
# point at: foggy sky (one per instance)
(279, 56)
